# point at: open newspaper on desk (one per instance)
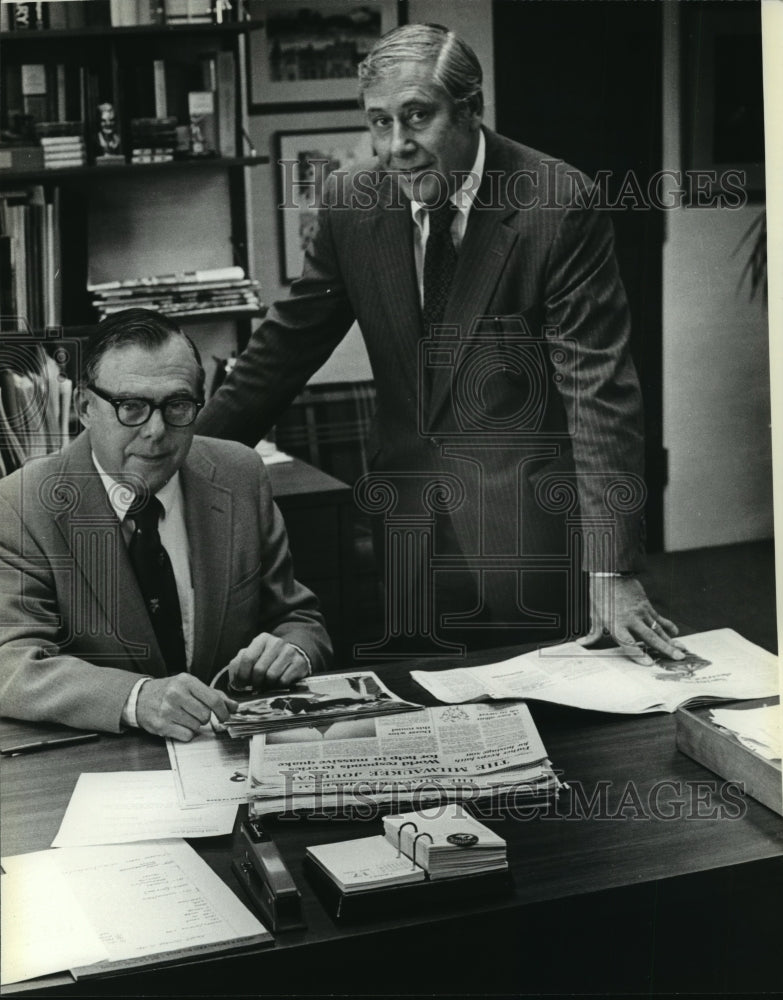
(446, 753)
(719, 665)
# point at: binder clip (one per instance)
(263, 874)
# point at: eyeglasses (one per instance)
(133, 412)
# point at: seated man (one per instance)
(140, 560)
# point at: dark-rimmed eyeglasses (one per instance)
(133, 411)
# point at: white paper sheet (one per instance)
(43, 928)
(151, 898)
(759, 729)
(210, 768)
(119, 807)
(89, 908)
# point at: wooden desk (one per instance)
(318, 513)
(668, 883)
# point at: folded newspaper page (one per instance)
(720, 665)
(458, 751)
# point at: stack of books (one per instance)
(63, 144)
(153, 140)
(195, 293)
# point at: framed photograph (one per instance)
(723, 113)
(304, 161)
(308, 54)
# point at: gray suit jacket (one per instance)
(75, 632)
(530, 400)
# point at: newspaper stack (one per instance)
(456, 752)
(197, 293)
(317, 700)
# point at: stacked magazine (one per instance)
(196, 293)
(317, 700)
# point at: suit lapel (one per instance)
(484, 253)
(101, 565)
(208, 519)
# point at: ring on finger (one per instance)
(655, 626)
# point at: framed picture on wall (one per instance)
(723, 114)
(304, 161)
(308, 53)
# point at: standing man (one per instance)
(497, 327)
(139, 561)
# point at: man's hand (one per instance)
(178, 706)
(619, 608)
(268, 662)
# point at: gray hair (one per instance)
(455, 66)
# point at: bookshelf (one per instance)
(75, 210)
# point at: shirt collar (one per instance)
(121, 497)
(465, 195)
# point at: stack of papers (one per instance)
(447, 843)
(93, 910)
(361, 865)
(438, 754)
(758, 729)
(718, 665)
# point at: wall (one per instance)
(473, 20)
(716, 411)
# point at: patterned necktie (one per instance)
(154, 572)
(440, 263)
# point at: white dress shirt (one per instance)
(174, 538)
(463, 198)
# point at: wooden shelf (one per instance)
(84, 330)
(12, 177)
(45, 34)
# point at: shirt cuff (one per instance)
(129, 710)
(307, 659)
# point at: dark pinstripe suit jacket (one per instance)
(527, 395)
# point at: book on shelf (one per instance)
(21, 158)
(188, 12)
(226, 103)
(29, 223)
(203, 124)
(27, 16)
